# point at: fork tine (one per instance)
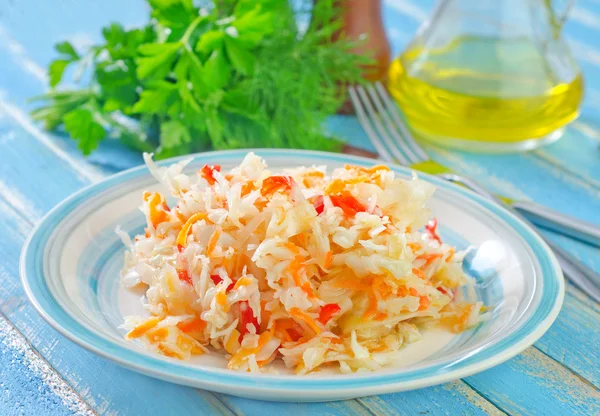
(382, 132)
(364, 121)
(395, 112)
(399, 140)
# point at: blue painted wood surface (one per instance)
(43, 373)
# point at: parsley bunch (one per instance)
(233, 74)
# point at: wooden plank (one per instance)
(576, 328)
(449, 399)
(29, 385)
(533, 384)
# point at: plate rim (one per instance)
(260, 384)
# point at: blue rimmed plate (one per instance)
(70, 270)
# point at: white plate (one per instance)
(70, 270)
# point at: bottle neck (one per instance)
(363, 22)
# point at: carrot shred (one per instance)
(419, 273)
(328, 259)
(298, 314)
(380, 316)
(238, 357)
(450, 255)
(158, 211)
(372, 308)
(212, 242)
(413, 291)
(414, 246)
(187, 227)
(142, 328)
(428, 258)
(424, 303)
(195, 325)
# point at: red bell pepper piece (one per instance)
(327, 312)
(246, 317)
(207, 172)
(347, 203)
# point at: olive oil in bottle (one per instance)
(484, 93)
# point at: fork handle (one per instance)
(538, 214)
(579, 274)
(558, 222)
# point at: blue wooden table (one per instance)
(43, 373)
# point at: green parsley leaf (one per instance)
(80, 124)
(157, 100)
(173, 13)
(209, 41)
(217, 71)
(174, 133)
(157, 59)
(56, 71)
(114, 35)
(240, 58)
(67, 49)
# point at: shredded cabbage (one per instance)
(309, 268)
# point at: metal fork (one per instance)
(377, 112)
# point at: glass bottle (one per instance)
(489, 75)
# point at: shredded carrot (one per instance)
(212, 242)
(166, 351)
(413, 291)
(414, 246)
(242, 281)
(232, 344)
(179, 215)
(221, 298)
(292, 247)
(187, 227)
(248, 187)
(380, 316)
(308, 177)
(401, 291)
(424, 303)
(301, 238)
(243, 353)
(144, 327)
(328, 259)
(195, 325)
(450, 255)
(372, 308)
(158, 211)
(338, 186)
(419, 273)
(158, 334)
(428, 258)
(356, 284)
(298, 314)
(371, 170)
